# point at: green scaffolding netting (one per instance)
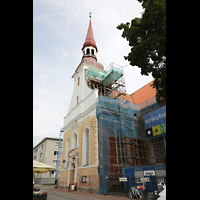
(95, 74)
(115, 118)
(113, 74)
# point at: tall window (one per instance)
(74, 141)
(88, 51)
(77, 100)
(86, 147)
(66, 152)
(75, 145)
(78, 81)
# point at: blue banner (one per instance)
(155, 117)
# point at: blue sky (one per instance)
(59, 31)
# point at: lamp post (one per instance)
(58, 163)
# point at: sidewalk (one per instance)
(87, 194)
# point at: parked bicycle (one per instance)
(160, 188)
(138, 191)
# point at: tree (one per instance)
(147, 39)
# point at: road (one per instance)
(65, 196)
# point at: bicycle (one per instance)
(138, 191)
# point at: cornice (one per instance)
(81, 115)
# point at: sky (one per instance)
(59, 31)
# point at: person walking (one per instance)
(55, 183)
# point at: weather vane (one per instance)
(90, 14)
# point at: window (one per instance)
(86, 147)
(55, 153)
(92, 51)
(66, 153)
(74, 140)
(54, 162)
(40, 155)
(77, 100)
(78, 81)
(56, 144)
(88, 51)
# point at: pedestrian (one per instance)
(55, 183)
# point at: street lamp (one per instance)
(58, 163)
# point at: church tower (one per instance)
(89, 47)
(79, 160)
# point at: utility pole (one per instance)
(58, 163)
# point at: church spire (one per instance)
(89, 41)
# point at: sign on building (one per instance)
(123, 179)
(155, 122)
(149, 172)
(145, 179)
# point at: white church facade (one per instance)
(80, 131)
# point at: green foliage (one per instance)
(147, 39)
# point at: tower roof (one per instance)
(89, 41)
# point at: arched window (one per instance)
(78, 81)
(88, 51)
(77, 100)
(86, 147)
(66, 152)
(74, 140)
(92, 51)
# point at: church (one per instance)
(104, 129)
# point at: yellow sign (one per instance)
(156, 130)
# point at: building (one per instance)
(104, 130)
(46, 152)
(80, 131)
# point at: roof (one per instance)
(141, 98)
(145, 93)
(46, 138)
(91, 61)
(89, 41)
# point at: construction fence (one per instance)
(113, 183)
(41, 181)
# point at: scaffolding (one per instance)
(122, 139)
(109, 83)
